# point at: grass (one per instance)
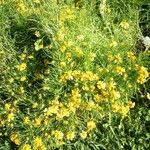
(72, 77)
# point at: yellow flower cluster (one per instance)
(71, 82)
(21, 7)
(57, 134)
(142, 74)
(131, 56)
(38, 144)
(26, 120)
(124, 25)
(116, 59)
(58, 109)
(122, 109)
(15, 138)
(89, 105)
(37, 122)
(75, 100)
(79, 51)
(78, 75)
(107, 91)
(67, 14)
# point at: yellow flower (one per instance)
(131, 104)
(68, 56)
(38, 144)
(57, 134)
(124, 25)
(70, 135)
(60, 35)
(90, 105)
(23, 78)
(22, 90)
(62, 112)
(35, 105)
(113, 44)
(111, 85)
(79, 51)
(63, 48)
(1, 122)
(114, 94)
(37, 122)
(119, 70)
(101, 85)
(67, 14)
(98, 98)
(123, 110)
(68, 43)
(131, 56)
(38, 141)
(91, 56)
(83, 134)
(23, 56)
(117, 59)
(26, 120)
(62, 64)
(91, 125)
(10, 117)
(37, 34)
(23, 66)
(26, 147)
(15, 138)
(142, 74)
(7, 106)
(21, 7)
(51, 109)
(110, 57)
(30, 56)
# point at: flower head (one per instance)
(15, 138)
(91, 125)
(26, 147)
(70, 135)
(22, 66)
(83, 134)
(124, 25)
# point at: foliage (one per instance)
(70, 74)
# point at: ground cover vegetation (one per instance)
(74, 75)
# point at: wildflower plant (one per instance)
(63, 70)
